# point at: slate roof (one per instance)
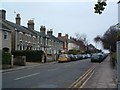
(54, 38)
(28, 30)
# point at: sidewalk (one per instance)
(28, 65)
(103, 77)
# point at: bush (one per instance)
(31, 55)
(6, 58)
(73, 51)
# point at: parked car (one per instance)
(72, 57)
(64, 58)
(80, 57)
(96, 58)
(76, 57)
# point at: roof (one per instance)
(18, 27)
(28, 30)
(54, 38)
(63, 38)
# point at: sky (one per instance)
(68, 17)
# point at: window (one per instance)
(5, 35)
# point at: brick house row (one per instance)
(71, 43)
(14, 36)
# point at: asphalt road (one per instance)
(55, 75)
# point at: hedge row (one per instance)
(31, 55)
(6, 58)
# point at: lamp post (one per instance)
(118, 65)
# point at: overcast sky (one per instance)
(65, 17)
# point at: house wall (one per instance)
(6, 43)
(0, 39)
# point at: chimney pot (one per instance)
(3, 14)
(66, 36)
(18, 19)
(31, 24)
(59, 34)
(50, 32)
(43, 29)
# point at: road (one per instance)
(57, 75)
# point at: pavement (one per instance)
(28, 65)
(104, 76)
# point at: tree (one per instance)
(81, 37)
(100, 6)
(97, 39)
(110, 37)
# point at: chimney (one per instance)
(66, 35)
(59, 34)
(31, 24)
(50, 32)
(3, 14)
(42, 29)
(18, 19)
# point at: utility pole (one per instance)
(118, 65)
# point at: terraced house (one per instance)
(27, 38)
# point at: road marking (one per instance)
(81, 79)
(87, 80)
(67, 65)
(26, 76)
(53, 69)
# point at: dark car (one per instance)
(72, 57)
(96, 58)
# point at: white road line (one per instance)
(53, 69)
(67, 65)
(26, 76)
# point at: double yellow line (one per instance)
(78, 83)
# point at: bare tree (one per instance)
(82, 37)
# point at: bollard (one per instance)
(42, 58)
(118, 65)
(24, 60)
(12, 60)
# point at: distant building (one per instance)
(64, 39)
(91, 48)
(72, 44)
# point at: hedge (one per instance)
(6, 58)
(31, 55)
